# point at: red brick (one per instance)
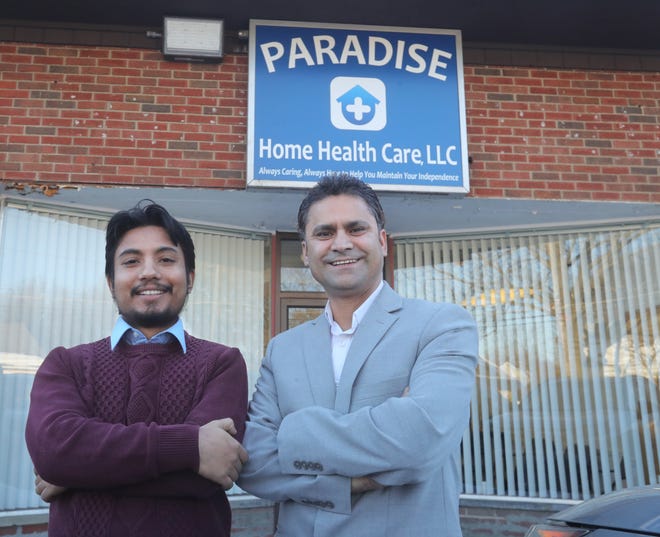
(548, 134)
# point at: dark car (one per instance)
(633, 511)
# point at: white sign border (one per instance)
(251, 182)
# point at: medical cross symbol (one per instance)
(358, 105)
(358, 108)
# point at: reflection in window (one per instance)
(294, 275)
(567, 401)
(49, 266)
(300, 315)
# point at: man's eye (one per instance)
(167, 260)
(358, 229)
(323, 234)
(128, 262)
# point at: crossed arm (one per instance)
(396, 442)
(72, 449)
(221, 458)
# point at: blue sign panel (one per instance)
(383, 104)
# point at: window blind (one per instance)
(566, 402)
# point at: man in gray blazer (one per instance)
(357, 417)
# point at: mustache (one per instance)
(158, 287)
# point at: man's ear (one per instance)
(191, 280)
(383, 242)
(303, 254)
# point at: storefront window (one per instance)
(567, 399)
(53, 292)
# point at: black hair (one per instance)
(146, 213)
(335, 185)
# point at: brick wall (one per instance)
(116, 116)
(479, 518)
(564, 134)
(90, 115)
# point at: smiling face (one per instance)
(150, 283)
(344, 247)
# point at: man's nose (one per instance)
(342, 241)
(149, 269)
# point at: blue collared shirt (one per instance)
(133, 336)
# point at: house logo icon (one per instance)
(358, 103)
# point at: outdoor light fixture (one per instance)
(186, 39)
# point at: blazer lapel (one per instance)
(317, 356)
(377, 321)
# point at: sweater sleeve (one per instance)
(71, 447)
(225, 392)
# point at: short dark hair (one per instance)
(335, 185)
(146, 213)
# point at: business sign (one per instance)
(383, 104)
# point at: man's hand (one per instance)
(221, 457)
(47, 491)
(364, 484)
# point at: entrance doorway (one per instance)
(299, 297)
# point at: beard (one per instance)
(150, 319)
(151, 316)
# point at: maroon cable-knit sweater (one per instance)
(119, 429)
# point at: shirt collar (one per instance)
(358, 314)
(121, 327)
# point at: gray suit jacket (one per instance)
(306, 438)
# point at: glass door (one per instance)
(300, 297)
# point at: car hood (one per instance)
(636, 509)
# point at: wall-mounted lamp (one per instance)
(186, 39)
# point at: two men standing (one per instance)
(354, 427)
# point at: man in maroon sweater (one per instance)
(138, 434)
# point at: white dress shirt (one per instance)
(341, 339)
